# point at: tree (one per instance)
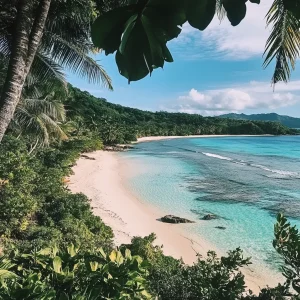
(38, 39)
(27, 35)
(139, 32)
(39, 119)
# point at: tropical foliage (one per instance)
(53, 247)
(139, 32)
(140, 270)
(119, 124)
(38, 41)
(71, 273)
(36, 207)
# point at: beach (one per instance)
(159, 138)
(103, 180)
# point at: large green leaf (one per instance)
(57, 264)
(5, 274)
(236, 10)
(140, 35)
(200, 13)
(132, 63)
(108, 28)
(143, 47)
(167, 15)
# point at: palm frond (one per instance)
(283, 42)
(67, 17)
(40, 119)
(4, 46)
(75, 57)
(52, 108)
(53, 127)
(45, 70)
(220, 10)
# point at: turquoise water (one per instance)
(246, 181)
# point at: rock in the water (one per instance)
(118, 148)
(210, 217)
(221, 227)
(175, 220)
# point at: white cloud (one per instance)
(255, 95)
(223, 40)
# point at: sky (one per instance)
(214, 72)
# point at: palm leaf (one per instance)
(74, 56)
(220, 10)
(40, 119)
(283, 42)
(45, 70)
(4, 46)
(54, 109)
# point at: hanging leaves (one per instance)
(139, 32)
(108, 29)
(236, 10)
(200, 13)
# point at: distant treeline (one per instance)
(285, 120)
(116, 123)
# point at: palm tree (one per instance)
(39, 115)
(283, 45)
(39, 38)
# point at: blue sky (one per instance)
(216, 71)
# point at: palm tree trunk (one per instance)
(27, 36)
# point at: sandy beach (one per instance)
(158, 138)
(103, 181)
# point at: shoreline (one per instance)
(103, 180)
(171, 137)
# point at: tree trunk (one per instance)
(26, 39)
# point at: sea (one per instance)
(244, 181)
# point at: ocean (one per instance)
(245, 181)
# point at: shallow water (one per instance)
(246, 181)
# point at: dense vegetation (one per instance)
(115, 123)
(36, 207)
(53, 247)
(285, 120)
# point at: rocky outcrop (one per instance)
(175, 220)
(220, 227)
(87, 157)
(117, 148)
(210, 217)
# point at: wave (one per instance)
(216, 156)
(279, 174)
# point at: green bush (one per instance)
(36, 207)
(72, 273)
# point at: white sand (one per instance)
(158, 138)
(102, 180)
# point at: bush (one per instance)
(36, 207)
(72, 273)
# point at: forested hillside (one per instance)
(55, 248)
(285, 120)
(116, 123)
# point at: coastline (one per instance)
(159, 138)
(103, 181)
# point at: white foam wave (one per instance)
(216, 156)
(280, 172)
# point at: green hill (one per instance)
(116, 124)
(285, 120)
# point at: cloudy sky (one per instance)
(214, 72)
